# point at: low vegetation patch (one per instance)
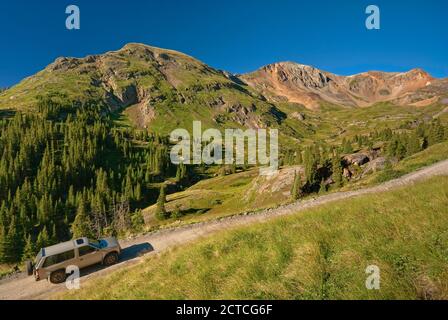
(403, 232)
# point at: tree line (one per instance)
(324, 163)
(68, 172)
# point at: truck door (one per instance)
(88, 256)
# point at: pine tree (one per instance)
(323, 187)
(4, 245)
(413, 146)
(178, 173)
(138, 192)
(337, 170)
(128, 190)
(82, 226)
(310, 167)
(54, 236)
(401, 150)
(29, 251)
(15, 241)
(436, 133)
(161, 212)
(137, 221)
(296, 187)
(42, 239)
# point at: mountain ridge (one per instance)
(307, 85)
(152, 83)
(156, 82)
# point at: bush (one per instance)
(177, 213)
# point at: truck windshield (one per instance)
(38, 257)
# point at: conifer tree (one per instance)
(15, 241)
(4, 245)
(413, 146)
(82, 226)
(296, 187)
(310, 167)
(42, 239)
(29, 251)
(161, 212)
(54, 236)
(337, 170)
(138, 192)
(323, 187)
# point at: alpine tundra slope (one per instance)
(22, 287)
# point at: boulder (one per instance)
(298, 116)
(374, 166)
(347, 173)
(358, 159)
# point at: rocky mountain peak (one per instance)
(138, 74)
(298, 74)
(307, 85)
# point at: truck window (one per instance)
(86, 250)
(59, 258)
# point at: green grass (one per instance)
(5, 270)
(425, 158)
(404, 232)
(248, 192)
(224, 196)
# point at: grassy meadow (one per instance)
(403, 232)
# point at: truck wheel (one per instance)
(29, 268)
(111, 259)
(58, 277)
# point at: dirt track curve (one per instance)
(22, 287)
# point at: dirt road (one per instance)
(22, 287)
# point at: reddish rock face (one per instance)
(296, 83)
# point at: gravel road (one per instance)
(21, 287)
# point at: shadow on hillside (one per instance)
(127, 254)
(136, 251)
(194, 211)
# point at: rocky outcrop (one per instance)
(300, 75)
(151, 82)
(376, 165)
(297, 83)
(298, 116)
(358, 159)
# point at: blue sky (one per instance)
(234, 35)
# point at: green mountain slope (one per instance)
(162, 90)
(403, 232)
(159, 89)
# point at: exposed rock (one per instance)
(309, 86)
(298, 116)
(358, 159)
(64, 64)
(128, 95)
(347, 173)
(374, 166)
